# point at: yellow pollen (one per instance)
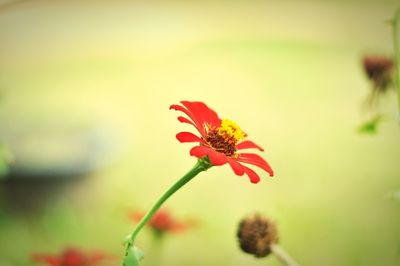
(231, 131)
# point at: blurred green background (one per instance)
(288, 72)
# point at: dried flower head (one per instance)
(379, 70)
(256, 235)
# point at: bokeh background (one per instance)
(85, 88)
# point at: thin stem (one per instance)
(396, 47)
(283, 256)
(201, 165)
(156, 248)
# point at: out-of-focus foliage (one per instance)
(5, 158)
(371, 126)
(395, 195)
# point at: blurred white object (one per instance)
(57, 148)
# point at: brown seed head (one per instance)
(220, 143)
(256, 235)
(379, 70)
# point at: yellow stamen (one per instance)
(230, 130)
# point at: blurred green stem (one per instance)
(156, 248)
(200, 166)
(281, 254)
(396, 47)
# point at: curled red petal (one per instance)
(188, 137)
(237, 168)
(248, 144)
(256, 160)
(185, 120)
(196, 122)
(203, 113)
(254, 178)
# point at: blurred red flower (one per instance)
(71, 257)
(220, 140)
(162, 221)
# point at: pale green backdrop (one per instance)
(288, 72)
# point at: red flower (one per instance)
(220, 140)
(162, 221)
(70, 257)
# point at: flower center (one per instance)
(225, 138)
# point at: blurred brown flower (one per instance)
(256, 235)
(379, 70)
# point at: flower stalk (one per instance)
(219, 144)
(283, 256)
(200, 166)
(156, 248)
(396, 46)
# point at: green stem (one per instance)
(201, 165)
(396, 47)
(156, 248)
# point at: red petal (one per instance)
(203, 113)
(98, 256)
(255, 160)
(185, 120)
(247, 144)
(237, 168)
(217, 158)
(254, 178)
(199, 151)
(136, 215)
(197, 124)
(74, 256)
(188, 137)
(50, 260)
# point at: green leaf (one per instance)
(371, 126)
(133, 257)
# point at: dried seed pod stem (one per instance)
(396, 46)
(283, 256)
